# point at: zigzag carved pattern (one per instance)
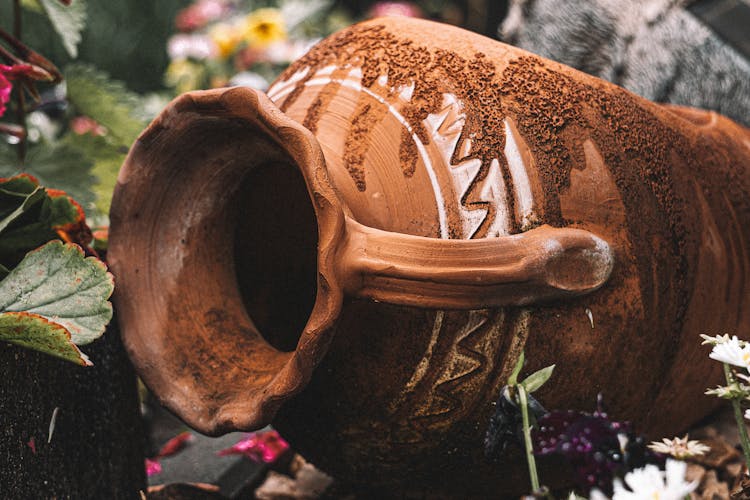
(465, 363)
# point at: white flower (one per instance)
(596, 494)
(679, 447)
(747, 414)
(734, 352)
(718, 339)
(652, 483)
(249, 79)
(195, 46)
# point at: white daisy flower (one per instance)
(734, 352)
(747, 414)
(650, 482)
(718, 339)
(679, 447)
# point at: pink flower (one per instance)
(81, 125)
(8, 73)
(5, 88)
(259, 447)
(199, 14)
(152, 467)
(395, 9)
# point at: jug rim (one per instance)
(253, 403)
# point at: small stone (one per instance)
(712, 488)
(734, 469)
(695, 472)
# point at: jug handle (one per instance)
(542, 264)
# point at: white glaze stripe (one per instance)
(439, 201)
(521, 184)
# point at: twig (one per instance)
(20, 100)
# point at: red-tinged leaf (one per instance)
(31, 216)
(36, 332)
(152, 467)
(264, 447)
(20, 182)
(32, 444)
(175, 445)
(101, 238)
(57, 282)
(68, 219)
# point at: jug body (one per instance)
(445, 134)
(423, 204)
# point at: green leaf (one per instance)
(60, 166)
(537, 379)
(59, 284)
(11, 197)
(35, 332)
(513, 379)
(32, 216)
(107, 158)
(107, 101)
(24, 207)
(63, 210)
(68, 22)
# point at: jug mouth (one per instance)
(178, 219)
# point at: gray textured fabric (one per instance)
(654, 48)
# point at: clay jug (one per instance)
(360, 257)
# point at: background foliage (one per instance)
(127, 40)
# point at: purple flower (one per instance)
(596, 447)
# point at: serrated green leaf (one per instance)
(513, 379)
(60, 166)
(58, 283)
(537, 379)
(107, 101)
(68, 22)
(63, 210)
(107, 157)
(35, 332)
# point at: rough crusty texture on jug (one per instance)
(362, 258)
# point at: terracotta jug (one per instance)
(361, 256)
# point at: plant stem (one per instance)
(523, 403)
(741, 427)
(21, 102)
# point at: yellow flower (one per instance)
(264, 27)
(226, 38)
(184, 75)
